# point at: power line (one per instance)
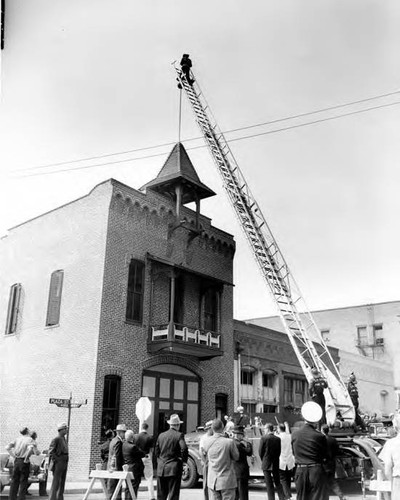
(230, 140)
(278, 120)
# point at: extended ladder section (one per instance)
(297, 320)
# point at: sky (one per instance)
(94, 79)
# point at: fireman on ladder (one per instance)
(317, 386)
(186, 64)
(353, 391)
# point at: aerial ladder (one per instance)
(297, 320)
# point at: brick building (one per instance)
(367, 337)
(116, 295)
(269, 381)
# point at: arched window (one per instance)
(54, 304)
(111, 397)
(13, 308)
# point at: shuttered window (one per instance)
(13, 308)
(134, 303)
(54, 305)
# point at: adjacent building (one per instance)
(367, 337)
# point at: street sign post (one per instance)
(143, 408)
(67, 403)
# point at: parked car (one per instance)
(38, 471)
(356, 462)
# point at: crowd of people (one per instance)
(308, 456)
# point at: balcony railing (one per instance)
(176, 332)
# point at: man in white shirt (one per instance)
(390, 455)
(286, 459)
(20, 450)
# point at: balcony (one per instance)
(184, 340)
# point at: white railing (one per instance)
(184, 334)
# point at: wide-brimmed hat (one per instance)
(62, 425)
(208, 425)
(121, 427)
(174, 420)
(311, 412)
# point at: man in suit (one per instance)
(269, 451)
(146, 443)
(115, 457)
(221, 454)
(310, 452)
(241, 466)
(133, 459)
(171, 452)
(58, 455)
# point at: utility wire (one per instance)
(278, 120)
(230, 140)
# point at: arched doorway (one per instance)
(172, 389)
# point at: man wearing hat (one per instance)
(317, 386)
(245, 449)
(116, 458)
(186, 64)
(221, 453)
(171, 452)
(310, 451)
(58, 459)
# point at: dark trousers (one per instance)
(333, 485)
(272, 477)
(58, 483)
(19, 480)
(242, 490)
(286, 478)
(111, 485)
(137, 477)
(168, 485)
(310, 483)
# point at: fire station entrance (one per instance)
(172, 389)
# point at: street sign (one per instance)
(61, 403)
(143, 408)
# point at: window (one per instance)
(134, 303)
(362, 335)
(211, 310)
(13, 308)
(249, 409)
(325, 335)
(377, 332)
(111, 395)
(178, 299)
(295, 391)
(288, 391)
(268, 380)
(269, 409)
(246, 377)
(54, 304)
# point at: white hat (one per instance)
(121, 427)
(62, 425)
(311, 412)
(174, 420)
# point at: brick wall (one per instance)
(139, 225)
(40, 362)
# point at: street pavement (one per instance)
(76, 491)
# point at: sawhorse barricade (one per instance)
(103, 475)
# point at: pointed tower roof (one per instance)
(179, 170)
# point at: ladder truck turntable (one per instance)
(295, 316)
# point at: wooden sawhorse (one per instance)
(102, 475)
